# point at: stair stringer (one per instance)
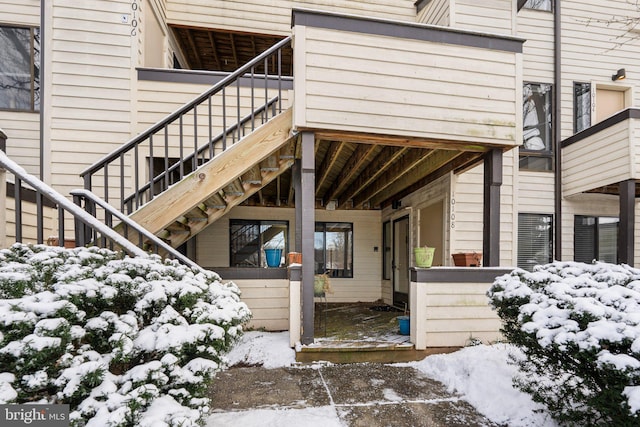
(194, 192)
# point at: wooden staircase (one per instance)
(225, 181)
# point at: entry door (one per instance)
(400, 262)
(608, 102)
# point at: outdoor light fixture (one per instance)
(619, 75)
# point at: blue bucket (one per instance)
(274, 256)
(403, 321)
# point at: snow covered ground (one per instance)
(479, 374)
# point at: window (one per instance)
(333, 246)
(250, 240)
(581, 106)
(595, 238)
(535, 240)
(386, 250)
(536, 152)
(538, 4)
(19, 68)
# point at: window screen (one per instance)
(19, 68)
(595, 239)
(535, 240)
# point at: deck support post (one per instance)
(491, 208)
(305, 204)
(627, 222)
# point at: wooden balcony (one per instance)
(599, 158)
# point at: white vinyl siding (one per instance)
(538, 49)
(536, 192)
(454, 314)
(23, 138)
(466, 231)
(90, 66)
(437, 12)
(22, 128)
(268, 300)
(492, 16)
(592, 52)
(393, 86)
(601, 159)
(22, 12)
(213, 247)
(274, 17)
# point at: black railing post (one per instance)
(3, 194)
(3, 141)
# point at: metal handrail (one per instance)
(160, 130)
(88, 195)
(63, 204)
(192, 158)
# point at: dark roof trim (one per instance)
(421, 4)
(629, 113)
(521, 4)
(407, 30)
(206, 77)
(458, 274)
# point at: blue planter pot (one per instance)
(403, 322)
(274, 256)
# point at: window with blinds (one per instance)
(595, 239)
(535, 240)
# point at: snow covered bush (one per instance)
(124, 341)
(578, 326)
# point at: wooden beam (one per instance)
(357, 160)
(404, 141)
(233, 50)
(331, 157)
(253, 176)
(216, 174)
(464, 161)
(412, 169)
(387, 157)
(214, 49)
(194, 49)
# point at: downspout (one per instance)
(39, 203)
(42, 60)
(557, 76)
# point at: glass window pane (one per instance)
(538, 4)
(245, 244)
(535, 240)
(582, 105)
(584, 238)
(15, 68)
(333, 245)
(595, 239)
(36, 69)
(250, 238)
(608, 240)
(386, 250)
(536, 110)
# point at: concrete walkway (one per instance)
(363, 394)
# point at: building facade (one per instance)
(506, 129)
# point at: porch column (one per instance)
(491, 208)
(627, 221)
(306, 198)
(296, 170)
